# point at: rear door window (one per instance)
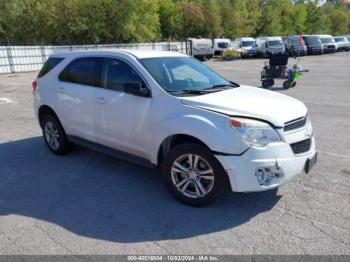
(83, 71)
(49, 64)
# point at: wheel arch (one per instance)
(174, 140)
(43, 110)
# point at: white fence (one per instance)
(15, 59)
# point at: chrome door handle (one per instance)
(101, 100)
(61, 89)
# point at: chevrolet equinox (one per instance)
(168, 110)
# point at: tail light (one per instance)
(34, 84)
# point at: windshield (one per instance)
(248, 43)
(313, 40)
(339, 39)
(295, 41)
(222, 44)
(176, 74)
(275, 42)
(327, 40)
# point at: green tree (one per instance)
(254, 15)
(170, 19)
(212, 19)
(270, 22)
(7, 14)
(315, 22)
(298, 18)
(229, 20)
(120, 21)
(338, 16)
(132, 21)
(193, 19)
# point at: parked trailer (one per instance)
(202, 48)
(220, 44)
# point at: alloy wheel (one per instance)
(52, 135)
(192, 175)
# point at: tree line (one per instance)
(124, 21)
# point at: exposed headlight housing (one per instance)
(254, 132)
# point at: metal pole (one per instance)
(42, 51)
(9, 56)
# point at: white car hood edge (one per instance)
(251, 102)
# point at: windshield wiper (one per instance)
(192, 91)
(231, 85)
(211, 89)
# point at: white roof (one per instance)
(222, 40)
(136, 53)
(247, 39)
(325, 36)
(271, 38)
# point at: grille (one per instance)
(295, 124)
(301, 147)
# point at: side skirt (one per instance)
(110, 151)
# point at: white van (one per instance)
(247, 45)
(270, 45)
(220, 44)
(202, 48)
(329, 45)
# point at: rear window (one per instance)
(48, 65)
(81, 71)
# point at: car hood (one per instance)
(248, 47)
(251, 102)
(299, 46)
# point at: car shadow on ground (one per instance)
(98, 196)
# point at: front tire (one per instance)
(54, 135)
(193, 175)
(287, 84)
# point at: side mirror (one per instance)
(136, 88)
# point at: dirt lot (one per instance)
(90, 203)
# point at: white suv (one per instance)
(165, 109)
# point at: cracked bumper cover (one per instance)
(278, 157)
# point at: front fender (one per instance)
(211, 128)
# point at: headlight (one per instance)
(255, 133)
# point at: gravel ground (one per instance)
(90, 203)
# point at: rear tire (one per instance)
(55, 136)
(287, 84)
(193, 175)
(267, 83)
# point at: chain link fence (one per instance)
(26, 58)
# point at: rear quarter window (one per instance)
(48, 65)
(81, 71)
